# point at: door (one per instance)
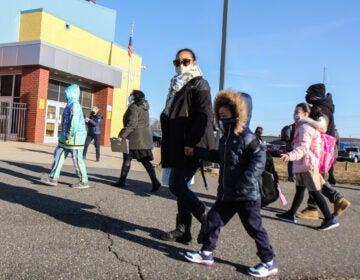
(54, 112)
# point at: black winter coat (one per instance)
(240, 166)
(327, 106)
(94, 124)
(190, 123)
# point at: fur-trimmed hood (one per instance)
(241, 105)
(320, 124)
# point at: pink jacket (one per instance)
(307, 145)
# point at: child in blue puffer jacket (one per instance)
(242, 161)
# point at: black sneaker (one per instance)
(173, 235)
(328, 224)
(287, 217)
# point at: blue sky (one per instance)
(275, 50)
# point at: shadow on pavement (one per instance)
(35, 151)
(77, 214)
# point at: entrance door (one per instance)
(54, 112)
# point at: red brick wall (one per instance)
(34, 91)
(103, 96)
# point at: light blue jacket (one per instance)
(73, 132)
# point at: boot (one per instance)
(176, 233)
(340, 206)
(186, 237)
(308, 214)
(151, 172)
(155, 185)
(121, 182)
(200, 215)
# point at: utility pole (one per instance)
(223, 45)
(324, 75)
(223, 61)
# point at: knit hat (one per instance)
(138, 94)
(314, 92)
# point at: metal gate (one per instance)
(12, 121)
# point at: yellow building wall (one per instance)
(40, 25)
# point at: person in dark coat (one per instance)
(187, 120)
(93, 131)
(242, 161)
(258, 132)
(137, 131)
(315, 95)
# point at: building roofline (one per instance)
(51, 56)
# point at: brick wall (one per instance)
(33, 91)
(103, 96)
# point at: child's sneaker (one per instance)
(80, 185)
(264, 270)
(49, 181)
(287, 217)
(200, 257)
(328, 224)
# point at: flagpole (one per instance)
(130, 51)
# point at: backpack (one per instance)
(327, 152)
(287, 133)
(269, 181)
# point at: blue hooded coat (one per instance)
(241, 158)
(73, 131)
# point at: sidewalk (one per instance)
(110, 233)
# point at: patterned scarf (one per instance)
(177, 83)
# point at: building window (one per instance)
(53, 90)
(10, 86)
(17, 88)
(6, 85)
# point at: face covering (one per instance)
(183, 69)
(296, 118)
(225, 124)
(130, 99)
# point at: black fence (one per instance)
(12, 121)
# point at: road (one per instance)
(109, 233)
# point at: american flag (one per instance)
(130, 45)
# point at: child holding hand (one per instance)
(306, 154)
(242, 161)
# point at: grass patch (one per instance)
(346, 173)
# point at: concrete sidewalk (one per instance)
(110, 233)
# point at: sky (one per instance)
(275, 51)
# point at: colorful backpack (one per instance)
(327, 152)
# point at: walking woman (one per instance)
(137, 131)
(187, 120)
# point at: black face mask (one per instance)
(225, 125)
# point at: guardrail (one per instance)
(12, 121)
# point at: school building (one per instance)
(46, 46)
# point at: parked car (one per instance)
(349, 154)
(156, 138)
(275, 150)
